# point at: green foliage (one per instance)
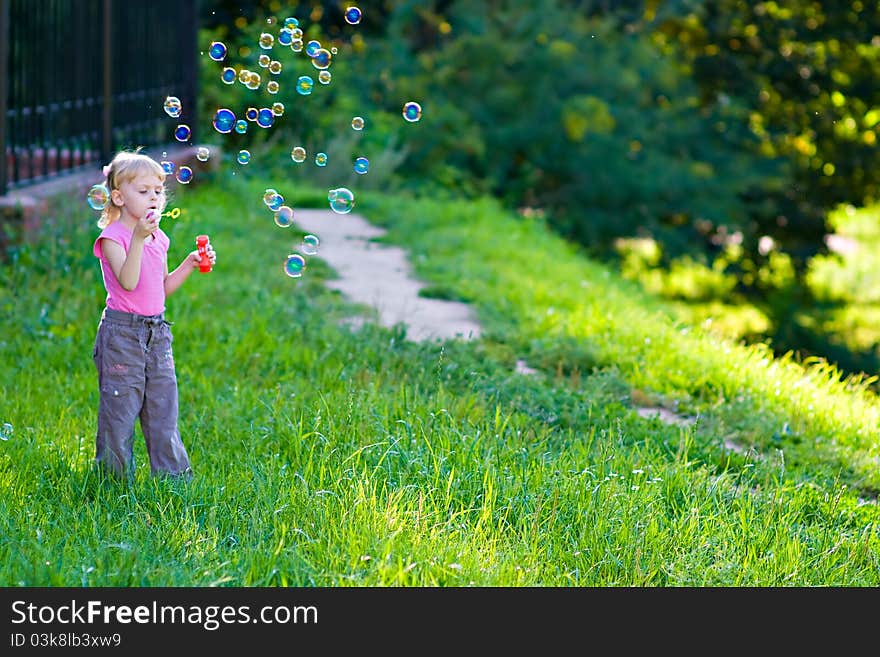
(555, 110)
(685, 278)
(805, 72)
(583, 115)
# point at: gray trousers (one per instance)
(136, 378)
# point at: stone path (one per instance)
(379, 275)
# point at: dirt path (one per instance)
(380, 276)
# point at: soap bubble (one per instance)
(352, 15)
(275, 202)
(298, 154)
(217, 51)
(322, 59)
(253, 80)
(269, 195)
(295, 265)
(265, 117)
(310, 244)
(361, 165)
(412, 111)
(173, 106)
(184, 175)
(304, 85)
(98, 197)
(224, 120)
(266, 41)
(284, 216)
(341, 200)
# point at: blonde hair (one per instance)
(123, 168)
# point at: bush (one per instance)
(548, 108)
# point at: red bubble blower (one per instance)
(202, 246)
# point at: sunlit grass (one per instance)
(539, 287)
(330, 457)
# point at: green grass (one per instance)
(326, 456)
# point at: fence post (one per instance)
(4, 89)
(190, 62)
(107, 115)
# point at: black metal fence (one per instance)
(80, 79)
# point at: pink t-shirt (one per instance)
(148, 296)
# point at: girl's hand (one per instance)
(148, 224)
(195, 259)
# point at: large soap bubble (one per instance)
(98, 197)
(341, 200)
(224, 120)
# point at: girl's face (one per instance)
(139, 195)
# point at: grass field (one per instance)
(331, 457)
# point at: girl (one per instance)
(132, 351)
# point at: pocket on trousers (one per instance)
(120, 358)
(164, 351)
